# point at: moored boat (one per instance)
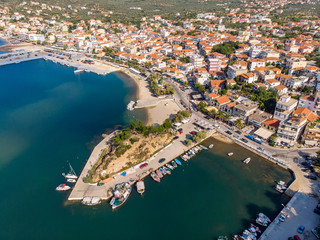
(169, 166)
(155, 177)
(174, 164)
(159, 173)
(62, 187)
(177, 161)
(71, 174)
(210, 146)
(262, 220)
(168, 171)
(78, 71)
(140, 186)
(163, 171)
(71, 180)
(247, 160)
(222, 238)
(120, 194)
(230, 154)
(91, 201)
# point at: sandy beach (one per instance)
(221, 138)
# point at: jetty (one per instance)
(151, 102)
(170, 152)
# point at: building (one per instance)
(311, 135)
(271, 124)
(196, 61)
(214, 64)
(258, 118)
(292, 128)
(245, 109)
(285, 106)
(307, 101)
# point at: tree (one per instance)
(220, 115)
(239, 123)
(213, 113)
(185, 83)
(202, 88)
(199, 136)
(188, 142)
(226, 117)
(272, 139)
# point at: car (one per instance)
(301, 229)
(316, 211)
(236, 136)
(290, 238)
(312, 177)
(192, 132)
(143, 165)
(318, 206)
(216, 126)
(176, 137)
(162, 160)
(238, 132)
(180, 129)
(244, 140)
(282, 217)
(228, 132)
(296, 237)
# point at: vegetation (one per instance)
(160, 88)
(239, 123)
(180, 116)
(199, 136)
(272, 139)
(225, 48)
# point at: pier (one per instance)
(170, 152)
(151, 102)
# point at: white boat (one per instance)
(72, 174)
(78, 71)
(140, 187)
(91, 201)
(210, 146)
(71, 180)
(230, 154)
(247, 160)
(62, 187)
(121, 194)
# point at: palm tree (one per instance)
(227, 117)
(239, 124)
(220, 115)
(213, 113)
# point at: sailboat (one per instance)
(72, 174)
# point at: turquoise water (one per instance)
(49, 115)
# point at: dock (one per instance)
(151, 102)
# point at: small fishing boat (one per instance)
(159, 173)
(140, 186)
(222, 238)
(71, 180)
(120, 194)
(247, 160)
(177, 161)
(262, 220)
(71, 174)
(203, 147)
(210, 146)
(163, 171)
(174, 164)
(155, 177)
(169, 166)
(62, 187)
(78, 71)
(91, 201)
(230, 154)
(168, 171)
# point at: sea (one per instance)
(50, 116)
(2, 42)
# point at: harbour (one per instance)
(232, 190)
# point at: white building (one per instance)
(285, 106)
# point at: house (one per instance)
(220, 101)
(248, 77)
(214, 64)
(311, 134)
(237, 69)
(271, 124)
(307, 101)
(280, 89)
(257, 118)
(257, 62)
(271, 83)
(292, 128)
(228, 108)
(210, 98)
(285, 106)
(245, 109)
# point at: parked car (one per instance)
(228, 132)
(238, 132)
(316, 211)
(176, 137)
(290, 238)
(192, 132)
(282, 217)
(143, 165)
(301, 229)
(244, 140)
(162, 160)
(312, 177)
(296, 237)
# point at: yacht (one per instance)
(72, 174)
(247, 160)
